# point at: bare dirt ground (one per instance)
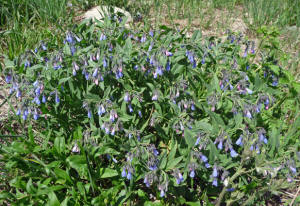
(4, 93)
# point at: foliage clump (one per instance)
(139, 116)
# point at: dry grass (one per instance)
(4, 93)
(216, 21)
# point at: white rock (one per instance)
(238, 25)
(99, 12)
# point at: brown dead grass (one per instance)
(216, 22)
(210, 24)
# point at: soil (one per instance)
(3, 95)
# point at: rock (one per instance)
(292, 28)
(99, 12)
(238, 25)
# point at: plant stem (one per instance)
(6, 100)
(12, 135)
(238, 173)
(296, 195)
(88, 165)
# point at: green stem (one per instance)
(90, 171)
(88, 165)
(6, 99)
(13, 135)
(240, 170)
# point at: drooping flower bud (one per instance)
(233, 153)
(239, 141)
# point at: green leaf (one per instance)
(178, 68)
(106, 150)
(274, 140)
(78, 133)
(296, 86)
(30, 134)
(47, 190)
(67, 50)
(173, 163)
(76, 161)
(81, 189)
(141, 194)
(107, 172)
(189, 137)
(163, 160)
(53, 201)
(217, 120)
(165, 28)
(238, 119)
(63, 80)
(30, 70)
(151, 86)
(5, 195)
(172, 153)
(212, 152)
(215, 84)
(62, 174)
(46, 138)
(196, 35)
(19, 147)
(203, 126)
(158, 108)
(86, 49)
(148, 203)
(258, 82)
(59, 144)
(8, 63)
(146, 123)
(193, 203)
(65, 202)
(125, 117)
(30, 188)
(275, 69)
(107, 92)
(128, 46)
(175, 108)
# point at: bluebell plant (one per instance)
(162, 111)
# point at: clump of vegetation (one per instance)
(115, 115)
(24, 23)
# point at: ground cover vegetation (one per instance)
(100, 114)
